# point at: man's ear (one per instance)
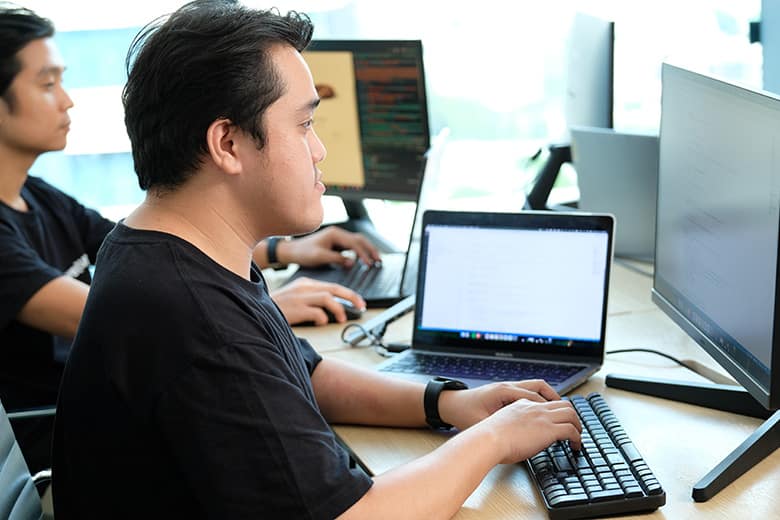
(221, 141)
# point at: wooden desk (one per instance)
(680, 442)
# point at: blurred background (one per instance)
(495, 74)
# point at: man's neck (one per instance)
(13, 174)
(198, 217)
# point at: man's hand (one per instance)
(325, 246)
(304, 300)
(463, 408)
(531, 406)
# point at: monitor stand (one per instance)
(545, 180)
(359, 221)
(762, 443)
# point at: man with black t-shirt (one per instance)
(48, 240)
(208, 405)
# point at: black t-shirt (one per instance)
(187, 395)
(56, 237)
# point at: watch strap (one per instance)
(433, 390)
(273, 259)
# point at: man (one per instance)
(48, 240)
(185, 382)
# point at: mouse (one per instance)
(353, 313)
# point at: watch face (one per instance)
(451, 384)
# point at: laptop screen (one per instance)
(525, 282)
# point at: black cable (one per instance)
(658, 352)
(367, 333)
(381, 348)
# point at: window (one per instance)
(494, 71)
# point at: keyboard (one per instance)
(481, 368)
(607, 476)
(379, 285)
(373, 280)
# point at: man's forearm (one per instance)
(433, 486)
(354, 395)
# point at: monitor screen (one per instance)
(589, 65)
(372, 118)
(718, 215)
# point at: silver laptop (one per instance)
(617, 173)
(510, 296)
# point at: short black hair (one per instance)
(207, 60)
(18, 27)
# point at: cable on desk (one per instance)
(383, 349)
(692, 365)
(650, 351)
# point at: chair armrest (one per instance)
(43, 411)
(42, 479)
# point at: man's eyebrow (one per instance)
(311, 105)
(51, 69)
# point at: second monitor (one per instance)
(372, 118)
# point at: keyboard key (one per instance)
(569, 500)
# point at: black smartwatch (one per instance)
(273, 260)
(431, 400)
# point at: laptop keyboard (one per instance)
(481, 368)
(607, 476)
(372, 281)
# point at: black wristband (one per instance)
(273, 260)
(431, 400)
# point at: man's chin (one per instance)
(309, 226)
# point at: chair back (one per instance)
(19, 500)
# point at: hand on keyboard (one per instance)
(468, 407)
(527, 425)
(324, 247)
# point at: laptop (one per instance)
(396, 278)
(617, 173)
(510, 296)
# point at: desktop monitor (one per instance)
(588, 97)
(372, 117)
(589, 72)
(717, 242)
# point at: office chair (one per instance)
(20, 497)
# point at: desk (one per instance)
(680, 442)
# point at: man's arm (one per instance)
(306, 300)
(56, 307)
(320, 248)
(515, 421)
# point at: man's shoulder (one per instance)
(45, 196)
(39, 185)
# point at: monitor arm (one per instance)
(545, 180)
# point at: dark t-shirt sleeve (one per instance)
(273, 455)
(310, 356)
(92, 226)
(22, 273)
